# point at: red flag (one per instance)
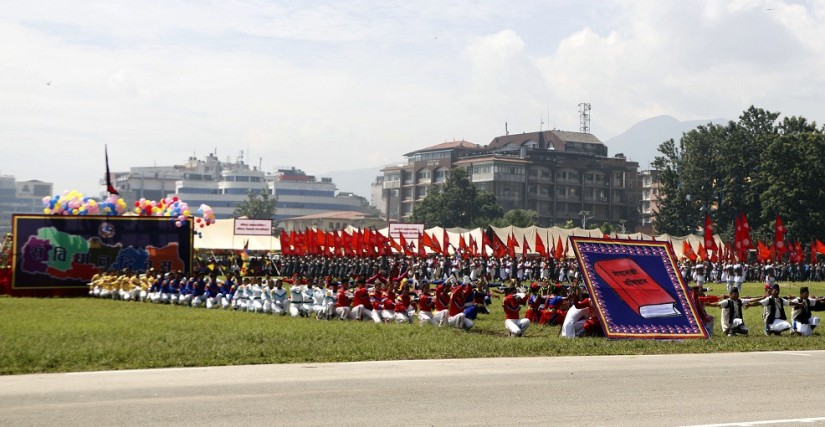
(462, 244)
(445, 241)
(524, 246)
(485, 243)
(701, 253)
(435, 245)
(499, 248)
(109, 187)
(779, 236)
(566, 246)
(472, 246)
(421, 245)
(284, 238)
(511, 245)
(558, 249)
(687, 251)
(820, 247)
(747, 242)
(763, 253)
(710, 244)
(540, 246)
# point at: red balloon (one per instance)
(201, 225)
(137, 203)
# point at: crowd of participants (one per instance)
(442, 291)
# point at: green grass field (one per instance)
(85, 334)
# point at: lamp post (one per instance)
(585, 215)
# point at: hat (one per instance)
(775, 286)
(803, 289)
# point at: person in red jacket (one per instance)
(426, 303)
(362, 305)
(512, 306)
(442, 304)
(456, 317)
(342, 303)
(696, 294)
(534, 304)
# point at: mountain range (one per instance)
(638, 143)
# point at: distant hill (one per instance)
(640, 143)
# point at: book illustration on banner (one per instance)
(636, 288)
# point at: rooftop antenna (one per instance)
(506, 131)
(541, 125)
(584, 117)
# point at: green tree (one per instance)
(256, 206)
(457, 204)
(757, 165)
(795, 183)
(517, 218)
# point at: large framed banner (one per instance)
(637, 289)
(62, 253)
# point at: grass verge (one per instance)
(83, 334)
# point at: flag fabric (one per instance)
(499, 248)
(524, 246)
(109, 187)
(813, 252)
(473, 247)
(445, 241)
(779, 236)
(820, 247)
(485, 243)
(763, 252)
(687, 251)
(421, 251)
(701, 253)
(511, 245)
(559, 248)
(747, 242)
(540, 246)
(710, 244)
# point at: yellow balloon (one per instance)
(47, 211)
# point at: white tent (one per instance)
(221, 235)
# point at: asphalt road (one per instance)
(773, 388)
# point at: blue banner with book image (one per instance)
(636, 289)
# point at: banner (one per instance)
(636, 289)
(64, 252)
(253, 227)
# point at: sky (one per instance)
(340, 85)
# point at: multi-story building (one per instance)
(650, 200)
(299, 194)
(224, 184)
(561, 175)
(18, 197)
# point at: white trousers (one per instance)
(517, 327)
(342, 313)
(806, 329)
(573, 324)
(459, 321)
(778, 325)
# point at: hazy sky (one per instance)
(338, 85)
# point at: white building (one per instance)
(224, 184)
(20, 197)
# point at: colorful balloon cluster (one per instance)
(74, 203)
(207, 216)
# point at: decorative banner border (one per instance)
(658, 308)
(64, 252)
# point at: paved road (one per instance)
(609, 390)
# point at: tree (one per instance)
(757, 165)
(457, 204)
(256, 206)
(518, 218)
